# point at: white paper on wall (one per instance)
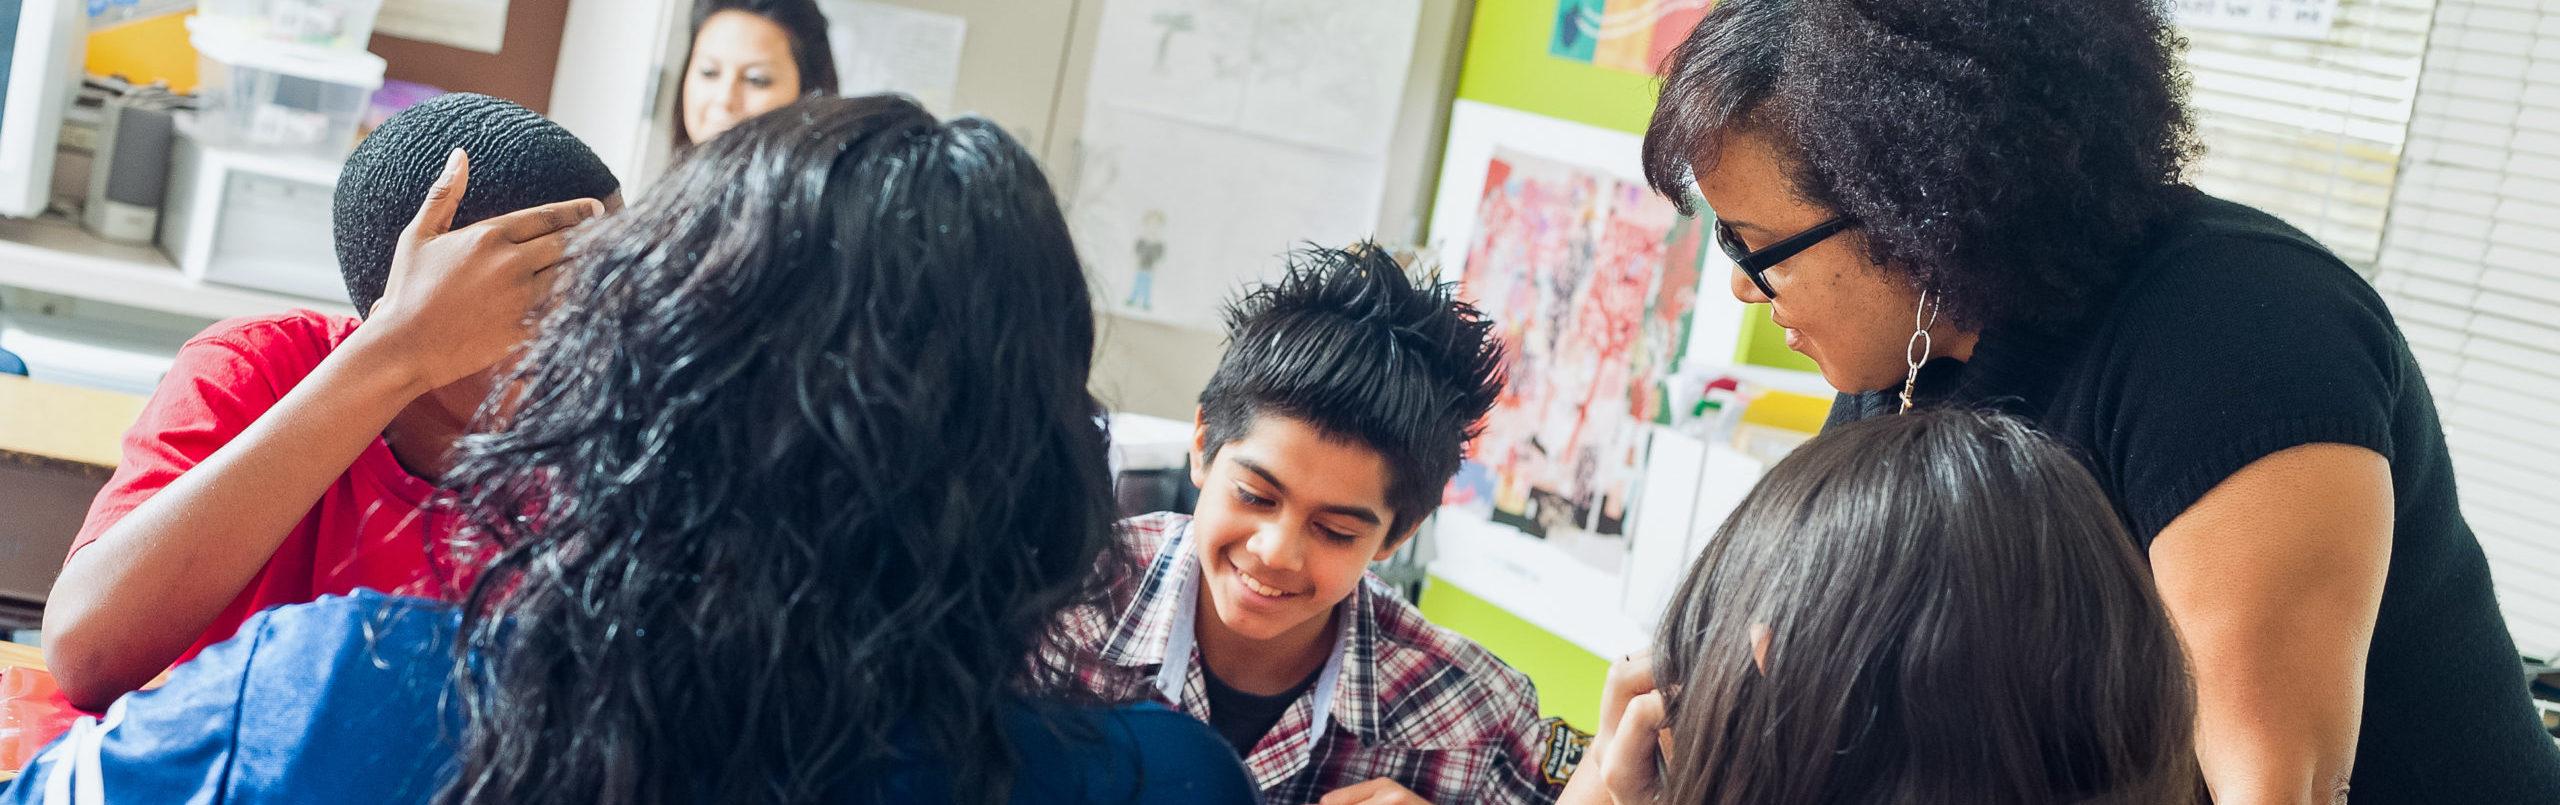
(1219, 134)
(1174, 218)
(880, 47)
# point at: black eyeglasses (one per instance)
(1754, 264)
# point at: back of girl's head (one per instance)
(1955, 615)
(801, 468)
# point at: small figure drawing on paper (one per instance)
(1150, 250)
(1173, 22)
(1184, 59)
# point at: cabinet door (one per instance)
(615, 84)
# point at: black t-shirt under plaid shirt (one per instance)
(1243, 718)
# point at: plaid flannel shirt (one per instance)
(1411, 702)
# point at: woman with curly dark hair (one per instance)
(797, 477)
(1982, 204)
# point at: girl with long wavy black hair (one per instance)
(780, 506)
(802, 470)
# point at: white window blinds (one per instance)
(2471, 265)
(2311, 130)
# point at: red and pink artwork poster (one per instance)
(1590, 281)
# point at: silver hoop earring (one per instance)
(1916, 351)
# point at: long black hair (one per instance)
(802, 23)
(799, 471)
(1955, 615)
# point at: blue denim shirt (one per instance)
(342, 700)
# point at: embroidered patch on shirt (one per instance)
(1564, 750)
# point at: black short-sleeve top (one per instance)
(2234, 336)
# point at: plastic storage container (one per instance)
(104, 14)
(339, 24)
(272, 95)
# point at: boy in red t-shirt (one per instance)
(290, 456)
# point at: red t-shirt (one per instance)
(370, 529)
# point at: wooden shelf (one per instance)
(54, 255)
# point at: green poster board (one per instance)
(1508, 63)
(1568, 678)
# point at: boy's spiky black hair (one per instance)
(1347, 344)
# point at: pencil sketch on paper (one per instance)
(1218, 134)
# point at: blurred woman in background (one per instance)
(750, 57)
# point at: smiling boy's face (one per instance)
(1288, 520)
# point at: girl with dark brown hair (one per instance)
(1934, 608)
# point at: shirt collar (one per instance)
(1138, 639)
(1159, 625)
(1357, 707)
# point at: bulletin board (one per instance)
(1542, 213)
(1526, 56)
(1598, 286)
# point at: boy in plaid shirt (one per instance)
(1340, 410)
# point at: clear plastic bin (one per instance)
(339, 24)
(292, 98)
(104, 14)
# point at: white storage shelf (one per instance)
(56, 256)
(1535, 582)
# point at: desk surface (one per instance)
(20, 655)
(64, 428)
